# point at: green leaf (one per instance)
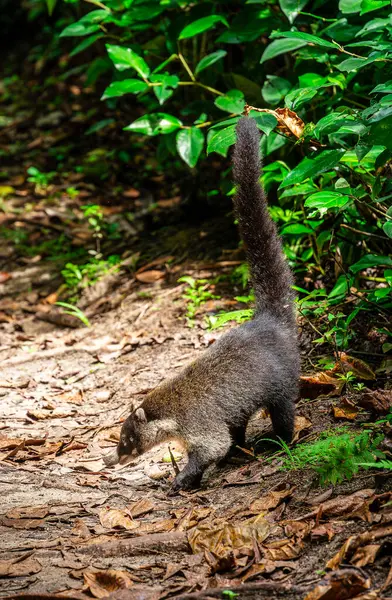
(296, 229)
(383, 88)
(155, 124)
(325, 201)
(380, 133)
(201, 25)
(340, 288)
(278, 47)
(127, 86)
(308, 38)
(221, 141)
(51, 6)
(292, 8)
(387, 227)
(371, 260)
(164, 91)
(274, 89)
(209, 60)
(331, 123)
(311, 167)
(98, 126)
(370, 5)
(125, 58)
(265, 122)
(189, 144)
(78, 29)
(232, 102)
(86, 43)
(353, 64)
(349, 7)
(296, 98)
(94, 16)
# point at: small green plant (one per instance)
(40, 179)
(359, 387)
(382, 464)
(229, 594)
(72, 192)
(85, 275)
(239, 316)
(348, 378)
(334, 457)
(94, 215)
(74, 311)
(196, 294)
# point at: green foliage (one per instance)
(41, 180)
(336, 456)
(196, 294)
(191, 67)
(238, 316)
(74, 311)
(81, 276)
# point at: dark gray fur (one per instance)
(208, 405)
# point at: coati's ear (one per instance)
(140, 415)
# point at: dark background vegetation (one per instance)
(120, 261)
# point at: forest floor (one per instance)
(69, 525)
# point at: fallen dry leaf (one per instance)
(103, 583)
(322, 533)
(359, 368)
(80, 529)
(222, 538)
(340, 585)
(319, 384)
(150, 276)
(19, 567)
(189, 518)
(348, 506)
(155, 526)
(345, 412)
(31, 512)
(297, 529)
(354, 542)
(22, 523)
(139, 507)
(4, 276)
(75, 397)
(114, 517)
(283, 549)
(378, 402)
(301, 423)
(270, 501)
(365, 555)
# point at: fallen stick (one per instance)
(145, 544)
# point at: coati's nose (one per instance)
(126, 458)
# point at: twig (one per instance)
(173, 461)
(366, 233)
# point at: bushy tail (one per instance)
(271, 275)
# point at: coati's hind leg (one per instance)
(202, 453)
(238, 435)
(282, 415)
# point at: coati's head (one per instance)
(135, 438)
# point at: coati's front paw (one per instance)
(185, 481)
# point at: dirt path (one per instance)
(70, 525)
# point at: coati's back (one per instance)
(257, 364)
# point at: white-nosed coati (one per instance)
(208, 405)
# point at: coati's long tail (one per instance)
(271, 275)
